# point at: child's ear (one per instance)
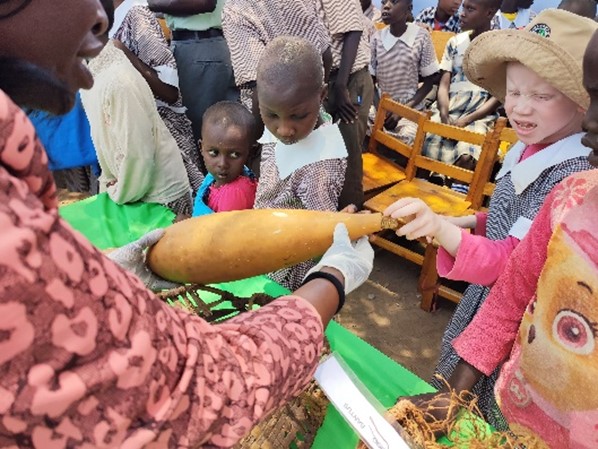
(324, 93)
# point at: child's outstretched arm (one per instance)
(423, 222)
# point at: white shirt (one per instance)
(139, 158)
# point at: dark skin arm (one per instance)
(327, 61)
(161, 90)
(462, 380)
(428, 82)
(442, 98)
(322, 294)
(182, 7)
(344, 108)
(487, 108)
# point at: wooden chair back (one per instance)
(439, 40)
(165, 29)
(380, 171)
(507, 138)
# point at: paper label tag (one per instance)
(357, 410)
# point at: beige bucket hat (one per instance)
(552, 45)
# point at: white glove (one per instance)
(131, 257)
(354, 260)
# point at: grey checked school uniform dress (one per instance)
(520, 192)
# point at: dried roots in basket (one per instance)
(464, 425)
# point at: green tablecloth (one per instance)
(109, 225)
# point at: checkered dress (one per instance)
(249, 25)
(464, 98)
(426, 16)
(397, 69)
(140, 32)
(506, 207)
(316, 186)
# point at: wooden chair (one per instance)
(165, 29)
(380, 172)
(441, 199)
(439, 40)
(507, 138)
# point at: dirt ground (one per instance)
(385, 312)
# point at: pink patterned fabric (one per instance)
(236, 195)
(91, 359)
(539, 320)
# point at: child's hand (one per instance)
(345, 110)
(391, 121)
(422, 221)
(461, 122)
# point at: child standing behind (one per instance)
(443, 17)
(304, 157)
(460, 102)
(406, 49)
(513, 14)
(545, 108)
(228, 137)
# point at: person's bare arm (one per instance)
(487, 108)
(327, 61)
(160, 89)
(423, 90)
(442, 97)
(182, 7)
(344, 108)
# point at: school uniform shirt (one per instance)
(397, 62)
(426, 16)
(539, 320)
(341, 17)
(140, 159)
(521, 20)
(90, 358)
(307, 175)
(250, 25)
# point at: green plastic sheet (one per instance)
(108, 225)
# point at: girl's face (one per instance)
(590, 82)
(290, 112)
(396, 11)
(538, 112)
(225, 149)
(57, 35)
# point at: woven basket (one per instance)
(292, 426)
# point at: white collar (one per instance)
(121, 12)
(408, 37)
(525, 172)
(323, 143)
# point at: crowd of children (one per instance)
(292, 135)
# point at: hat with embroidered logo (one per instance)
(552, 45)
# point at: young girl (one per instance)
(228, 136)
(541, 313)
(459, 101)
(303, 156)
(545, 108)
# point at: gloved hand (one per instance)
(354, 260)
(131, 257)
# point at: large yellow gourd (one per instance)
(234, 245)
